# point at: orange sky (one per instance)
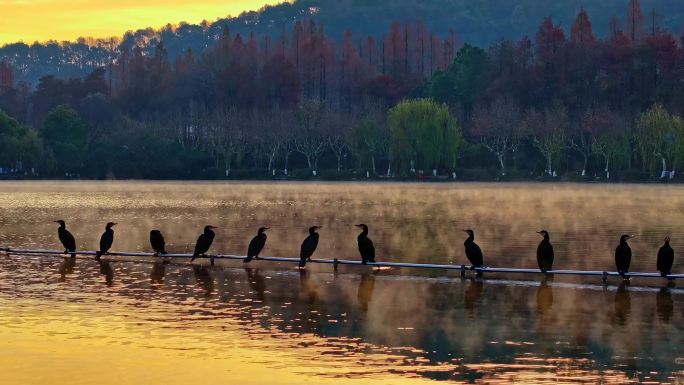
(31, 20)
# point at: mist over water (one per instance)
(277, 323)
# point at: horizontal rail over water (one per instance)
(335, 262)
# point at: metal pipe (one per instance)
(335, 262)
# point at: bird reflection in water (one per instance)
(473, 295)
(107, 271)
(623, 303)
(365, 292)
(158, 272)
(307, 287)
(664, 304)
(545, 317)
(256, 282)
(204, 279)
(544, 297)
(67, 267)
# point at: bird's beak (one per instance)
(538, 232)
(56, 221)
(319, 227)
(114, 224)
(357, 225)
(267, 228)
(465, 231)
(632, 236)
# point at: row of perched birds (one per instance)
(204, 241)
(545, 254)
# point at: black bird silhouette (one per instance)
(157, 242)
(256, 244)
(366, 247)
(473, 251)
(203, 242)
(66, 238)
(545, 252)
(106, 240)
(623, 255)
(308, 246)
(665, 258)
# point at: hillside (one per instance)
(477, 22)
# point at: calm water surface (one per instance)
(83, 322)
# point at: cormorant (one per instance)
(308, 246)
(203, 242)
(623, 255)
(106, 240)
(665, 258)
(366, 247)
(66, 238)
(256, 244)
(473, 251)
(545, 252)
(157, 242)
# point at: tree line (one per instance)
(408, 104)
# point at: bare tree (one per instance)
(498, 129)
(225, 137)
(309, 139)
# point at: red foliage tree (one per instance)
(634, 21)
(6, 75)
(581, 32)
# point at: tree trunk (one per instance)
(227, 157)
(339, 162)
(584, 168)
(287, 159)
(607, 173)
(502, 163)
(373, 165)
(548, 162)
(270, 160)
(663, 174)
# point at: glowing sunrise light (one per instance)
(42, 20)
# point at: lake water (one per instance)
(132, 322)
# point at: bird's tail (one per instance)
(248, 259)
(194, 256)
(302, 262)
(98, 254)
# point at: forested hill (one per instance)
(479, 22)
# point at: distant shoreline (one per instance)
(369, 181)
